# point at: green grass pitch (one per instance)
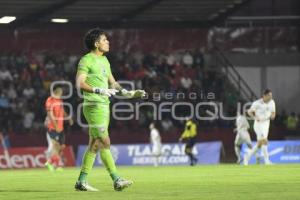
(166, 183)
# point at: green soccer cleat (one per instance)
(49, 166)
(84, 186)
(121, 184)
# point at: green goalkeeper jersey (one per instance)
(97, 69)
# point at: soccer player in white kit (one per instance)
(242, 135)
(155, 141)
(262, 111)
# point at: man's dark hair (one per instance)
(57, 86)
(266, 91)
(91, 36)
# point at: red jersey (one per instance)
(56, 105)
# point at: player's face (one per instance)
(58, 92)
(267, 97)
(102, 44)
(151, 126)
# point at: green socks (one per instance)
(109, 163)
(88, 162)
(87, 165)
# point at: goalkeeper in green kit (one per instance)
(95, 79)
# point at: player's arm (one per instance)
(129, 94)
(273, 111)
(273, 115)
(46, 121)
(51, 117)
(186, 133)
(71, 122)
(251, 113)
(81, 84)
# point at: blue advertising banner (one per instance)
(172, 154)
(279, 151)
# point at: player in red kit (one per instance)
(55, 126)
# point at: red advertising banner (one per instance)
(31, 157)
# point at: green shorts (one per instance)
(98, 116)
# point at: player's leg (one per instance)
(56, 154)
(237, 147)
(259, 136)
(54, 159)
(107, 158)
(253, 151)
(109, 163)
(188, 151)
(90, 113)
(61, 151)
(265, 152)
(248, 142)
(50, 146)
(156, 153)
(192, 144)
(87, 165)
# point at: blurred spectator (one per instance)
(11, 92)
(166, 124)
(171, 59)
(28, 92)
(186, 82)
(281, 119)
(28, 118)
(292, 122)
(5, 75)
(187, 59)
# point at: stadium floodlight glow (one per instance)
(59, 20)
(7, 19)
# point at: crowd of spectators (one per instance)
(25, 79)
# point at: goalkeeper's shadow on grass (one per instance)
(16, 190)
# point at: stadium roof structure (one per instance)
(141, 13)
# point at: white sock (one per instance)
(237, 152)
(264, 149)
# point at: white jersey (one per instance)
(242, 124)
(263, 112)
(155, 137)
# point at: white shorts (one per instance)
(261, 130)
(242, 137)
(156, 149)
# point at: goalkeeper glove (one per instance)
(105, 92)
(133, 93)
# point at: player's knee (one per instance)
(94, 145)
(259, 143)
(265, 142)
(55, 145)
(105, 143)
